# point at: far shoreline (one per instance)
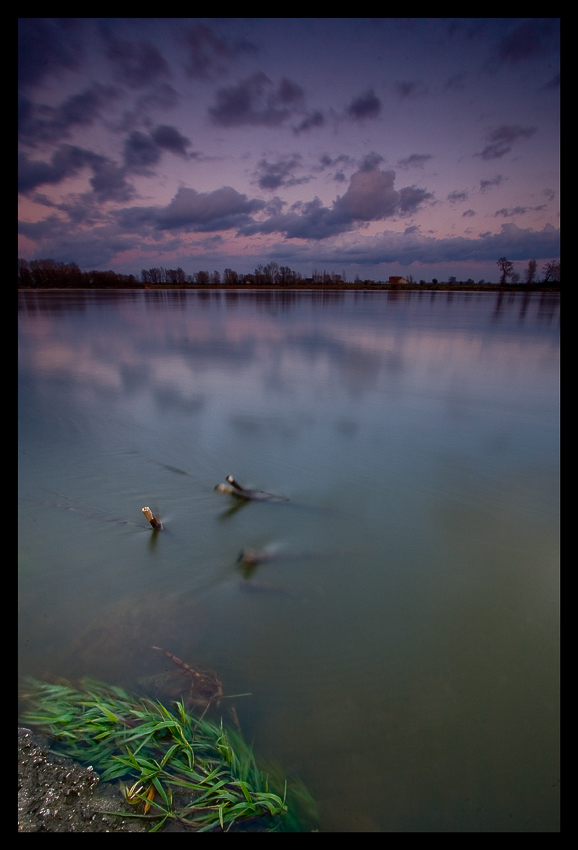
(332, 287)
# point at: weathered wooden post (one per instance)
(232, 481)
(152, 519)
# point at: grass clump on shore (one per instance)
(170, 765)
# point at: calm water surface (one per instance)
(401, 648)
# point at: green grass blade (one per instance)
(163, 794)
(211, 769)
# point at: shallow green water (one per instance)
(402, 647)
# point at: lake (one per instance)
(401, 640)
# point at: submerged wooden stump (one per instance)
(156, 524)
(203, 687)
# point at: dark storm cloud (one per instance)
(140, 152)
(290, 93)
(192, 211)
(370, 161)
(494, 181)
(405, 248)
(507, 212)
(309, 220)
(46, 46)
(66, 161)
(532, 38)
(370, 196)
(411, 198)
(367, 105)
(501, 139)
(327, 161)
(40, 123)
(311, 121)
(170, 139)
(412, 246)
(136, 64)
(415, 160)
(256, 101)
(108, 181)
(162, 96)
(218, 210)
(90, 249)
(338, 163)
(457, 197)
(209, 55)
(273, 175)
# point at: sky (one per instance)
(365, 147)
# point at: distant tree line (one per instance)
(46, 274)
(270, 275)
(551, 272)
(51, 274)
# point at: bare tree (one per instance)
(530, 273)
(551, 272)
(155, 275)
(506, 269)
(24, 276)
(271, 272)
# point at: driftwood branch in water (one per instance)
(233, 488)
(152, 519)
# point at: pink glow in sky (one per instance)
(372, 147)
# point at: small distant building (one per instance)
(398, 280)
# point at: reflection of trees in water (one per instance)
(546, 305)
(549, 305)
(197, 331)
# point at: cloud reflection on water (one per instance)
(396, 344)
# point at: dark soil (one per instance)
(56, 794)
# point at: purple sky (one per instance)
(370, 146)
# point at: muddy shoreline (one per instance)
(56, 794)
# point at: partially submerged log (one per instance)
(156, 524)
(252, 557)
(234, 483)
(233, 488)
